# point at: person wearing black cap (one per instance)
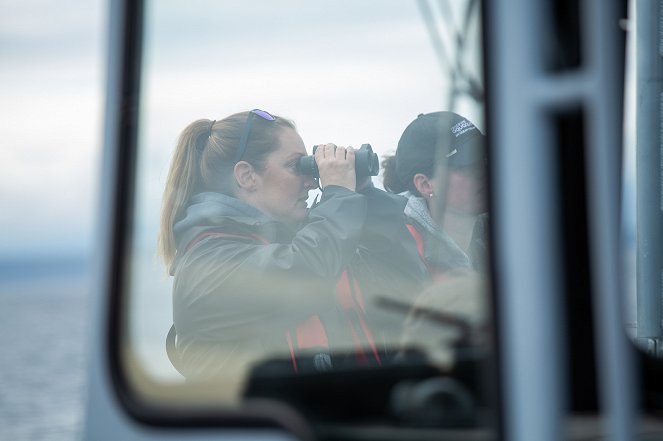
(439, 166)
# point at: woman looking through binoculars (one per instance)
(256, 273)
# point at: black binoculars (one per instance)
(366, 163)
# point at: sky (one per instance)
(346, 72)
(342, 77)
(51, 95)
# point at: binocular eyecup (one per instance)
(366, 163)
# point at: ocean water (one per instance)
(43, 335)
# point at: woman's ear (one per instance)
(423, 184)
(245, 176)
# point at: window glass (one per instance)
(642, 181)
(628, 184)
(274, 289)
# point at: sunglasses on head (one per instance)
(244, 139)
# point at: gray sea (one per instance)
(43, 334)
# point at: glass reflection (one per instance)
(287, 287)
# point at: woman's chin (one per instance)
(297, 214)
(300, 212)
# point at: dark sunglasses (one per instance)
(243, 141)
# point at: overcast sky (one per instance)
(347, 72)
(50, 124)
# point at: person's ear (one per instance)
(245, 176)
(423, 184)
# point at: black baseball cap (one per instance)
(441, 133)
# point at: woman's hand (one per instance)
(336, 166)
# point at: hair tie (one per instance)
(201, 144)
(209, 134)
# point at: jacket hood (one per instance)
(210, 211)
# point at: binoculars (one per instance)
(366, 163)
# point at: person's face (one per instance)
(281, 191)
(466, 191)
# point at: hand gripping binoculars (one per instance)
(366, 163)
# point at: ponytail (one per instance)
(181, 184)
(392, 183)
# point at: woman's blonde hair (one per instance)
(204, 161)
